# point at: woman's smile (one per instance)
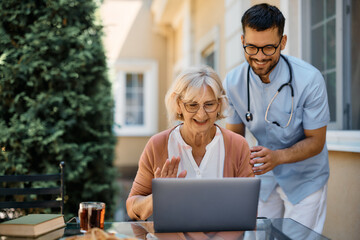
(201, 122)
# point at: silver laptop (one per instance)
(205, 205)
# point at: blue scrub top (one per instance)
(311, 111)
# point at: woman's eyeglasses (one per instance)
(209, 107)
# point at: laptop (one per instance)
(205, 205)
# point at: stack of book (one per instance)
(38, 226)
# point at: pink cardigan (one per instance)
(236, 164)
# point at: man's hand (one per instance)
(264, 156)
(170, 169)
(312, 144)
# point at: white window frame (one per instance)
(343, 141)
(150, 70)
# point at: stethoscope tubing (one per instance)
(249, 115)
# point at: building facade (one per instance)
(150, 42)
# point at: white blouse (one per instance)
(212, 164)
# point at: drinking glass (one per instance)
(91, 215)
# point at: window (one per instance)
(135, 92)
(134, 101)
(330, 37)
(208, 56)
(207, 49)
(321, 45)
(354, 64)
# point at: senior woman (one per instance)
(195, 148)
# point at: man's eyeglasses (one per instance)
(209, 107)
(267, 50)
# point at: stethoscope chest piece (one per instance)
(248, 116)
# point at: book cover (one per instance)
(32, 225)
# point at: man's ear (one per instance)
(242, 39)
(283, 42)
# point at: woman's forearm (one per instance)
(139, 207)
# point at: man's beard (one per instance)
(263, 72)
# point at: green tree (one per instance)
(55, 97)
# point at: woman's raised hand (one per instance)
(170, 169)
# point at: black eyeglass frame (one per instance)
(262, 48)
(203, 106)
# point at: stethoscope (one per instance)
(249, 115)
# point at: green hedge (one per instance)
(55, 97)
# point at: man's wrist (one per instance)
(280, 156)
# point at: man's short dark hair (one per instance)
(262, 17)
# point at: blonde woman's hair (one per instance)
(188, 85)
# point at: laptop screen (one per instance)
(199, 205)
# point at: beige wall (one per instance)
(178, 42)
(142, 42)
(209, 14)
(272, 2)
(343, 209)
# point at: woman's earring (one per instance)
(179, 115)
(218, 114)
